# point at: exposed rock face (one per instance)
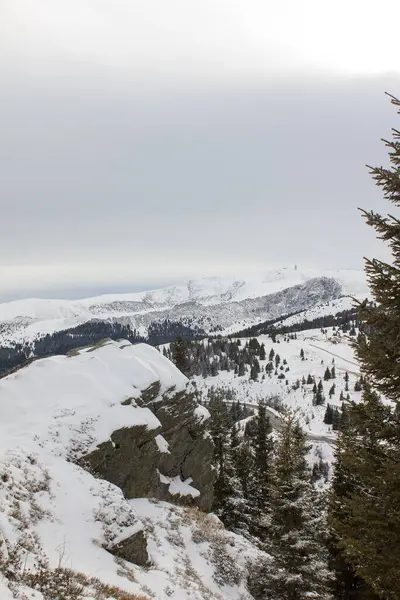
(190, 447)
(130, 461)
(139, 460)
(133, 549)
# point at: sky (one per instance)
(144, 143)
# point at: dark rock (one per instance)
(133, 549)
(132, 459)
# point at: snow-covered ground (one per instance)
(58, 409)
(320, 351)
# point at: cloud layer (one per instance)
(148, 147)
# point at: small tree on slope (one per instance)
(180, 355)
(299, 568)
(365, 517)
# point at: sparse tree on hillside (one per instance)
(179, 353)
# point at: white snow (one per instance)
(213, 558)
(320, 351)
(72, 403)
(201, 413)
(162, 444)
(178, 487)
(61, 407)
(25, 320)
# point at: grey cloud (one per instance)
(96, 170)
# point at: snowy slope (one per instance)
(320, 351)
(213, 303)
(58, 409)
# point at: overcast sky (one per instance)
(144, 142)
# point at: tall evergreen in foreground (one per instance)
(365, 502)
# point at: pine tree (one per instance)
(328, 417)
(347, 583)
(253, 372)
(263, 449)
(302, 354)
(263, 354)
(220, 425)
(365, 516)
(346, 378)
(299, 568)
(180, 355)
(327, 374)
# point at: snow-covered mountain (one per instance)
(211, 304)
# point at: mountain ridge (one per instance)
(211, 304)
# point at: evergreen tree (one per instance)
(263, 449)
(327, 374)
(346, 378)
(180, 355)
(254, 345)
(319, 398)
(347, 584)
(220, 426)
(328, 417)
(302, 354)
(253, 372)
(263, 354)
(242, 368)
(299, 568)
(365, 513)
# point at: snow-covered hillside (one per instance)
(56, 411)
(321, 351)
(213, 304)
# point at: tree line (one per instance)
(89, 333)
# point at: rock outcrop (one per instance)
(123, 413)
(152, 463)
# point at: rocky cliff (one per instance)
(105, 468)
(171, 462)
